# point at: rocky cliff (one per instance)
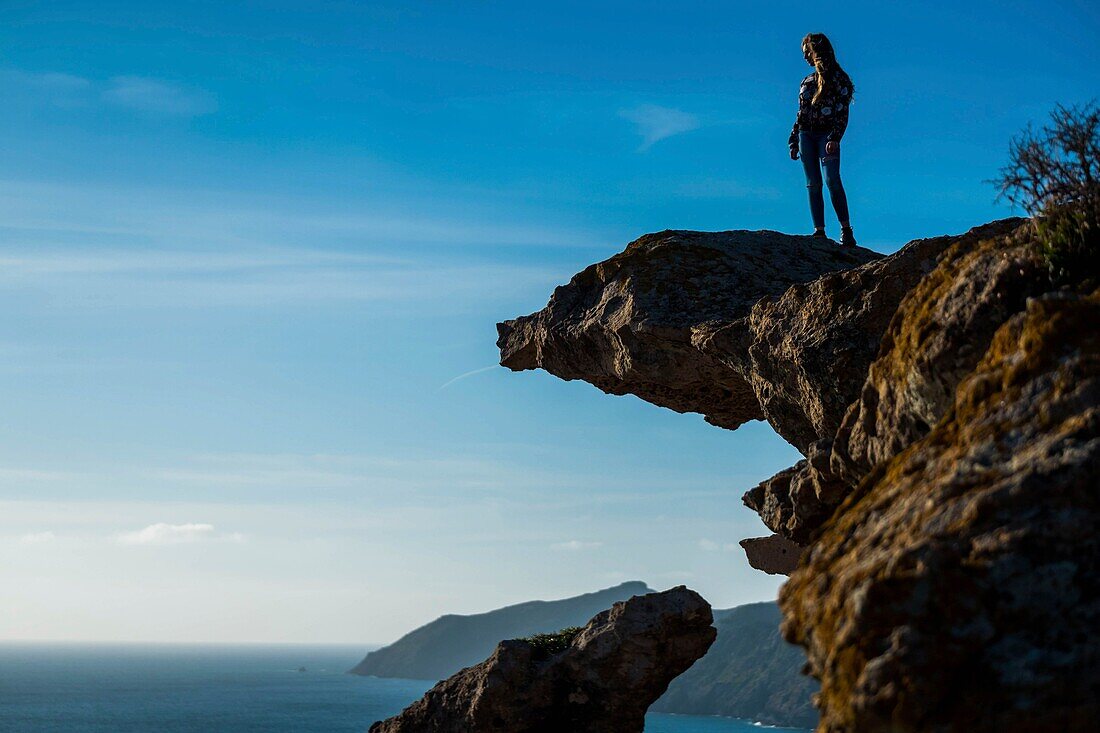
(945, 399)
(601, 680)
(957, 588)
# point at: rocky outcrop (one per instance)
(775, 555)
(735, 325)
(946, 403)
(626, 325)
(958, 589)
(603, 681)
(745, 325)
(935, 338)
(806, 351)
(943, 328)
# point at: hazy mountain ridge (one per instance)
(439, 649)
(599, 679)
(749, 672)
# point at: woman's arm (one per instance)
(839, 103)
(792, 141)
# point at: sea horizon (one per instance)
(179, 687)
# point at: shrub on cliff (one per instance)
(549, 644)
(1054, 174)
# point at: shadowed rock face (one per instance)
(626, 324)
(934, 339)
(806, 351)
(958, 589)
(604, 682)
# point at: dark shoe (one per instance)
(820, 233)
(847, 239)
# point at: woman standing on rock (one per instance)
(823, 100)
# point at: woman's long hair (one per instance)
(824, 58)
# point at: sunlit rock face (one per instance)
(958, 588)
(629, 324)
(603, 681)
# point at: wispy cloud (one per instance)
(576, 546)
(37, 538)
(107, 261)
(49, 81)
(655, 123)
(163, 533)
(712, 546)
(194, 249)
(27, 475)
(147, 278)
(425, 477)
(134, 92)
(219, 220)
(464, 375)
(158, 97)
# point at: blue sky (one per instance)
(251, 258)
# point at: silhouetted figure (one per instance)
(823, 100)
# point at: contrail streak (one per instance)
(449, 382)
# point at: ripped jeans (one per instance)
(811, 146)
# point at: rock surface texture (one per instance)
(626, 324)
(775, 555)
(603, 682)
(946, 401)
(936, 333)
(806, 351)
(958, 589)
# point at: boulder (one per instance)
(602, 680)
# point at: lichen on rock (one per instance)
(958, 589)
(934, 338)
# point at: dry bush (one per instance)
(1054, 174)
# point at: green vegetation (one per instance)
(1054, 174)
(549, 644)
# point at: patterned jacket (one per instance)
(829, 114)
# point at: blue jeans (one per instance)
(811, 146)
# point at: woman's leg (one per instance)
(808, 146)
(831, 164)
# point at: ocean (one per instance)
(162, 688)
